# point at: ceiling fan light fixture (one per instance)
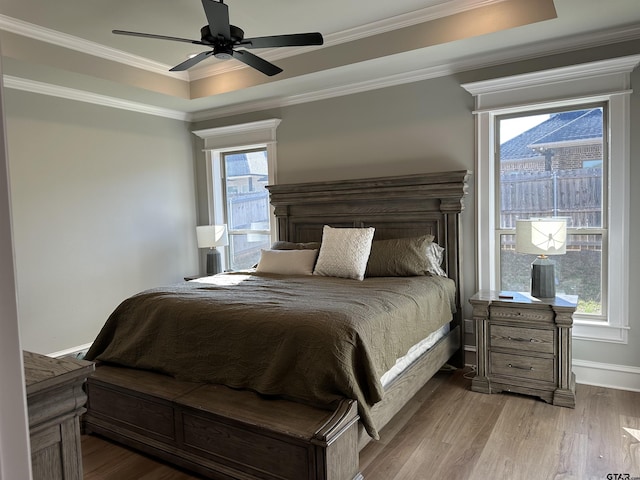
(222, 55)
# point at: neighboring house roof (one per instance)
(575, 126)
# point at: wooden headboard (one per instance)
(398, 207)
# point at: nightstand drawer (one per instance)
(523, 314)
(522, 339)
(531, 368)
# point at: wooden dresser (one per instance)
(524, 345)
(55, 400)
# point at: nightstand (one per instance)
(523, 345)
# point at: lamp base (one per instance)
(214, 263)
(543, 282)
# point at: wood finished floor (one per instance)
(449, 432)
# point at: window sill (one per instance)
(599, 332)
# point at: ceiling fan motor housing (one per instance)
(236, 33)
(222, 47)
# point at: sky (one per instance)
(512, 127)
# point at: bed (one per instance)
(274, 407)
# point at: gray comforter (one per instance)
(311, 339)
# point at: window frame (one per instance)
(234, 138)
(606, 81)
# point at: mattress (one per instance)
(415, 352)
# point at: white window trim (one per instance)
(607, 80)
(243, 136)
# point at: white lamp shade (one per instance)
(212, 236)
(542, 236)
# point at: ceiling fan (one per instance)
(222, 37)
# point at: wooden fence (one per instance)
(575, 194)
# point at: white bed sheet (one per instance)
(414, 352)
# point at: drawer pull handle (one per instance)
(520, 368)
(516, 339)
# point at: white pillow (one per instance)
(287, 262)
(344, 252)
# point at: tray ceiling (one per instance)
(68, 46)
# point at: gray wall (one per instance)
(103, 204)
(413, 128)
(104, 201)
(423, 127)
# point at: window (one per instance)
(245, 173)
(550, 164)
(241, 162)
(532, 172)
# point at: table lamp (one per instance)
(212, 236)
(542, 237)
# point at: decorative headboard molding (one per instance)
(401, 206)
(446, 188)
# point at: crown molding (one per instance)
(324, 94)
(437, 10)
(539, 49)
(427, 14)
(559, 46)
(42, 88)
(432, 12)
(43, 34)
(510, 55)
(582, 71)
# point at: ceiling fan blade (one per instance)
(256, 62)
(191, 61)
(161, 37)
(293, 40)
(218, 17)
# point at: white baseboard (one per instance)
(620, 377)
(71, 352)
(608, 375)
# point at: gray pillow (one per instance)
(282, 245)
(399, 257)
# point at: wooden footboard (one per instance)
(220, 432)
(232, 434)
